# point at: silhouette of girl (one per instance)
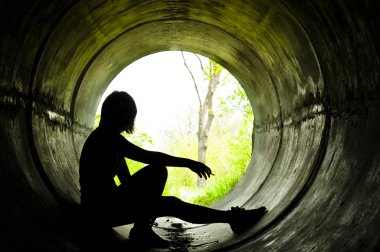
(113, 197)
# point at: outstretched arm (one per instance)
(152, 157)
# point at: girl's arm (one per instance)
(152, 157)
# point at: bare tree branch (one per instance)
(200, 62)
(192, 76)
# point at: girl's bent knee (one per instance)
(162, 168)
(157, 172)
(154, 170)
(170, 200)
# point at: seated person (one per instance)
(113, 197)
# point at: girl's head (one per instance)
(119, 112)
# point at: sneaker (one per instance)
(242, 220)
(147, 238)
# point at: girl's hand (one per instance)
(201, 169)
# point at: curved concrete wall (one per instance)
(311, 70)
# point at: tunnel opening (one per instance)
(169, 91)
(311, 68)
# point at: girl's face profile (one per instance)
(129, 122)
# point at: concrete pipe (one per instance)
(310, 68)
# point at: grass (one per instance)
(216, 188)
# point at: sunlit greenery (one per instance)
(228, 157)
(229, 153)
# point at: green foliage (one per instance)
(217, 190)
(213, 68)
(236, 101)
(181, 145)
(229, 153)
(228, 159)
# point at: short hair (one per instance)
(119, 111)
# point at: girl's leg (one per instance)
(145, 188)
(134, 200)
(238, 218)
(172, 206)
(148, 183)
(145, 191)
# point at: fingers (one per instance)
(205, 173)
(209, 172)
(202, 175)
(202, 170)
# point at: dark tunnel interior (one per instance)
(311, 70)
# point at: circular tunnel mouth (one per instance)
(168, 101)
(139, 33)
(273, 61)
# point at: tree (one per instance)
(205, 106)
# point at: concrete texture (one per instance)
(310, 68)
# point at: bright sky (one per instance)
(162, 88)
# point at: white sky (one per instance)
(161, 87)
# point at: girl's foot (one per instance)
(241, 219)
